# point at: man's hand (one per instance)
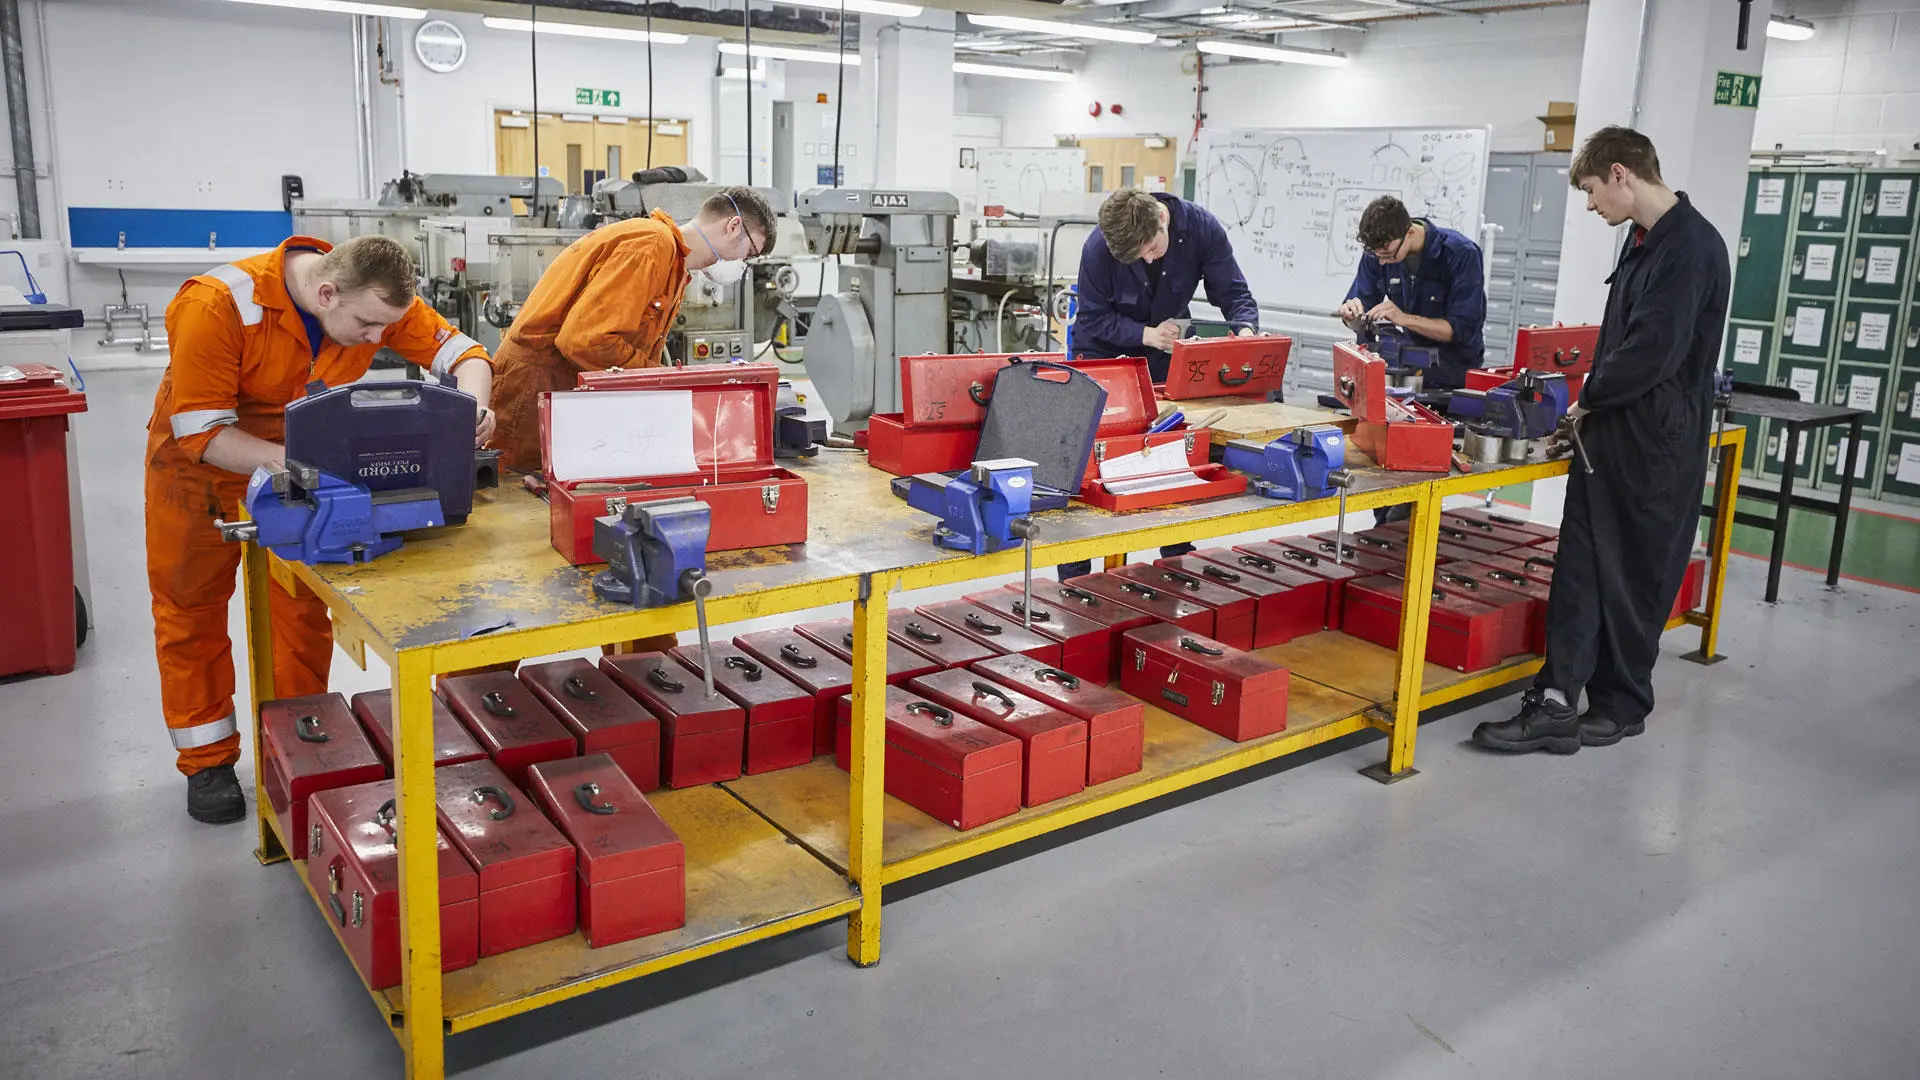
(483, 428)
(1351, 310)
(1387, 311)
(1161, 338)
(1245, 331)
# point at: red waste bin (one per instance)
(38, 623)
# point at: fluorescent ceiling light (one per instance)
(345, 7)
(782, 52)
(1063, 29)
(1006, 72)
(864, 7)
(614, 33)
(1788, 28)
(1278, 53)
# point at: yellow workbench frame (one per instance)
(779, 886)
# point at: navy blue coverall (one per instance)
(1630, 526)
(1119, 300)
(1448, 285)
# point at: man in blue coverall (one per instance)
(1138, 273)
(1424, 279)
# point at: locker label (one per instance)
(1830, 198)
(1909, 469)
(1820, 261)
(1873, 330)
(1746, 346)
(1864, 393)
(1837, 453)
(1809, 327)
(1805, 382)
(1882, 264)
(1894, 195)
(1770, 194)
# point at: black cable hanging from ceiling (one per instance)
(746, 18)
(533, 46)
(650, 120)
(839, 94)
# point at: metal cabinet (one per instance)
(1526, 197)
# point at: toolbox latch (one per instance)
(1100, 451)
(616, 506)
(1139, 659)
(1191, 436)
(1219, 692)
(313, 841)
(770, 497)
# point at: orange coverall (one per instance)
(239, 355)
(606, 302)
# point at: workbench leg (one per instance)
(1114, 562)
(1726, 495)
(1788, 474)
(422, 1033)
(254, 576)
(1845, 509)
(1423, 537)
(867, 816)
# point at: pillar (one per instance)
(907, 77)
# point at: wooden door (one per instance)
(1113, 164)
(579, 149)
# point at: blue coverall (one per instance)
(1449, 285)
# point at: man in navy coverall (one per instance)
(1644, 417)
(1424, 279)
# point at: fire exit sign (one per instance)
(1737, 90)
(608, 98)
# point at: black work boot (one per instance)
(1540, 725)
(213, 796)
(1598, 730)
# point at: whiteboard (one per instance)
(1018, 178)
(1291, 199)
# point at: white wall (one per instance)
(1854, 85)
(813, 123)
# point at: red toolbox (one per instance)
(843, 726)
(1161, 605)
(1131, 409)
(1548, 547)
(632, 868)
(1476, 515)
(1507, 538)
(1524, 563)
(452, 745)
(1115, 616)
(354, 862)
(1693, 588)
(702, 740)
(604, 719)
(943, 763)
(508, 721)
(1505, 580)
(836, 636)
(1233, 611)
(1368, 560)
(934, 640)
(1228, 367)
(1116, 723)
(1003, 635)
(1462, 634)
(38, 605)
(755, 503)
(1564, 350)
(1229, 692)
(1307, 560)
(1287, 604)
(780, 715)
(943, 400)
(1086, 647)
(311, 744)
(1053, 743)
(808, 665)
(1516, 608)
(1398, 433)
(1388, 543)
(527, 886)
(1214, 482)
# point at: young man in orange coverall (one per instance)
(609, 300)
(246, 339)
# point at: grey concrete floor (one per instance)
(1733, 894)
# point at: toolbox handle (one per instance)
(585, 793)
(987, 689)
(576, 687)
(1298, 556)
(1144, 590)
(1380, 542)
(942, 717)
(794, 656)
(308, 729)
(1257, 562)
(1038, 614)
(920, 633)
(1439, 597)
(1345, 549)
(1540, 560)
(979, 395)
(1188, 580)
(1055, 675)
(1471, 524)
(489, 791)
(385, 397)
(1246, 375)
(1452, 578)
(493, 702)
(990, 629)
(1572, 358)
(1193, 645)
(1504, 520)
(1452, 533)
(1086, 598)
(746, 666)
(1220, 573)
(658, 676)
(1505, 575)
(383, 817)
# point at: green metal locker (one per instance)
(1826, 201)
(1900, 476)
(1887, 203)
(1833, 459)
(1818, 265)
(1879, 267)
(1807, 329)
(1862, 386)
(1745, 351)
(1750, 447)
(1905, 414)
(1761, 253)
(1869, 333)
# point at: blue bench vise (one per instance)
(1305, 463)
(1528, 406)
(656, 552)
(985, 509)
(303, 514)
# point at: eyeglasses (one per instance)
(1390, 251)
(753, 250)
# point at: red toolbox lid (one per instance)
(799, 658)
(1050, 620)
(451, 740)
(1508, 538)
(1564, 349)
(744, 680)
(500, 831)
(1254, 564)
(316, 737)
(673, 693)
(1244, 582)
(949, 741)
(836, 636)
(1489, 591)
(1152, 600)
(997, 632)
(733, 412)
(363, 817)
(995, 705)
(1187, 585)
(1189, 652)
(1249, 365)
(29, 390)
(1499, 577)
(950, 391)
(599, 713)
(502, 713)
(1371, 558)
(1131, 404)
(1450, 610)
(1536, 566)
(1062, 690)
(1360, 381)
(1303, 554)
(1500, 520)
(618, 833)
(1087, 604)
(933, 639)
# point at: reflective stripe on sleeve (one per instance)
(189, 738)
(453, 349)
(240, 283)
(200, 421)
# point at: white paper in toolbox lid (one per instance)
(616, 434)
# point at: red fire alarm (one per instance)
(1093, 109)
(1116, 110)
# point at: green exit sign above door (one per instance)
(1737, 90)
(608, 98)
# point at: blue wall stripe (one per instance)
(101, 226)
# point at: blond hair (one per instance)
(371, 262)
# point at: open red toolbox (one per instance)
(1558, 349)
(1228, 367)
(943, 400)
(602, 457)
(1397, 433)
(1130, 411)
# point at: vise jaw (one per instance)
(656, 552)
(986, 508)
